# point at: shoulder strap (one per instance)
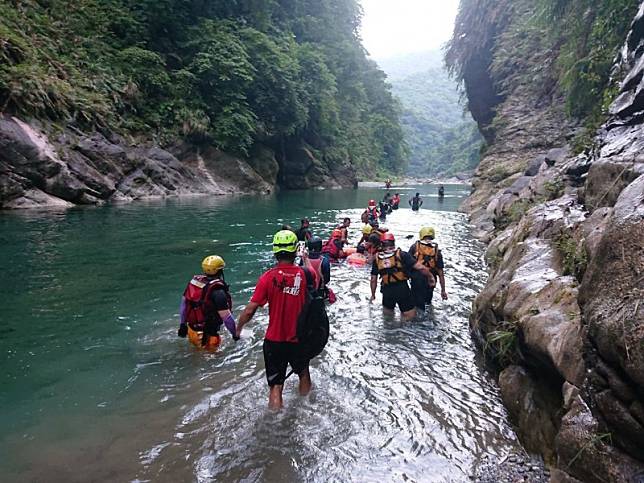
(206, 290)
(310, 279)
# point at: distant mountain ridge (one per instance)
(442, 138)
(404, 65)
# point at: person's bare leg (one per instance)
(387, 312)
(305, 382)
(410, 314)
(275, 397)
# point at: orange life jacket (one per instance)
(427, 254)
(391, 268)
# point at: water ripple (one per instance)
(392, 400)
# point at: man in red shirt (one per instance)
(283, 287)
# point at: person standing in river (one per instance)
(304, 233)
(283, 287)
(416, 202)
(426, 251)
(394, 268)
(395, 201)
(344, 228)
(206, 305)
(319, 262)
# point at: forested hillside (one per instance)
(230, 74)
(442, 139)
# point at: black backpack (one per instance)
(313, 323)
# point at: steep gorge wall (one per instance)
(562, 314)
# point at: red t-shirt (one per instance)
(283, 287)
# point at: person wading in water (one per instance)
(394, 268)
(416, 202)
(206, 305)
(284, 288)
(426, 251)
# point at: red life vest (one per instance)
(199, 308)
(331, 249)
(316, 265)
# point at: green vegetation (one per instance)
(554, 189)
(553, 47)
(502, 344)
(514, 213)
(228, 73)
(573, 255)
(442, 139)
(593, 442)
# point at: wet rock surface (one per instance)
(562, 313)
(532, 409)
(40, 167)
(513, 468)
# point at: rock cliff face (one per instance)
(42, 167)
(562, 314)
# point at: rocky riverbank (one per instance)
(562, 314)
(41, 166)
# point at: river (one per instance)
(95, 385)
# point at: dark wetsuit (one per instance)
(304, 234)
(416, 203)
(397, 292)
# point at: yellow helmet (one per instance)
(366, 230)
(285, 241)
(212, 264)
(427, 231)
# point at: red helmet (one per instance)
(337, 233)
(372, 202)
(388, 237)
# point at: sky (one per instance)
(393, 27)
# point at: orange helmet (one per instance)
(337, 233)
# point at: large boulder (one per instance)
(528, 290)
(531, 409)
(585, 450)
(608, 176)
(612, 295)
(262, 159)
(613, 287)
(71, 168)
(302, 167)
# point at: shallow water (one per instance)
(96, 385)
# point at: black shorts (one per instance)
(277, 357)
(397, 293)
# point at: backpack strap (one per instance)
(310, 280)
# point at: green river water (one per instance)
(95, 385)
